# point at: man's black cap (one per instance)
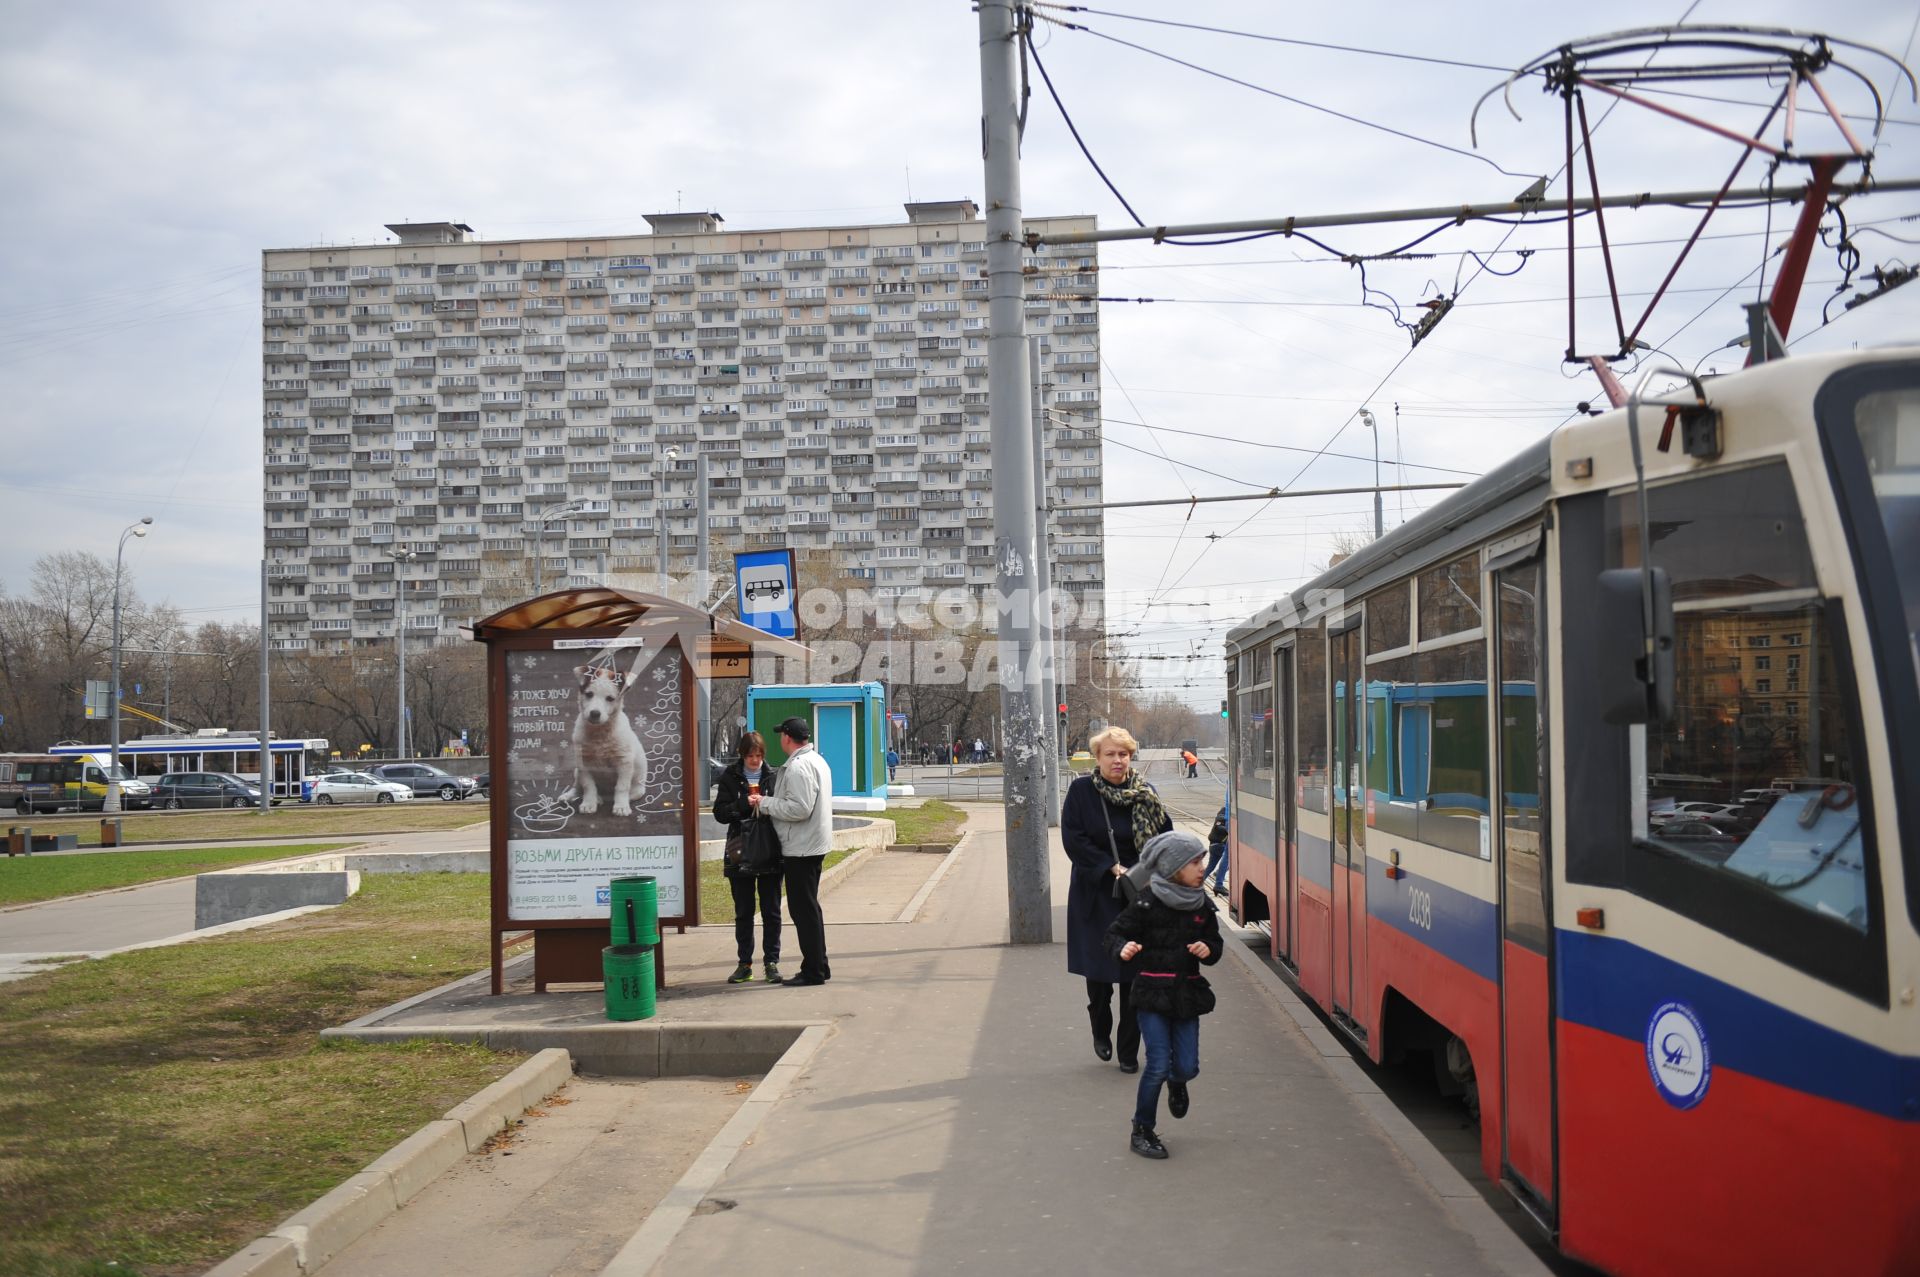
(797, 728)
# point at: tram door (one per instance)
(1286, 903)
(1348, 800)
(1523, 842)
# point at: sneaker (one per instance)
(1147, 1144)
(1177, 1098)
(773, 973)
(741, 974)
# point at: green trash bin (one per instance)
(635, 916)
(628, 970)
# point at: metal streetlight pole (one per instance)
(112, 801)
(401, 558)
(1379, 526)
(667, 459)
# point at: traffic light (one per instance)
(1223, 709)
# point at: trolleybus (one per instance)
(1693, 1051)
(214, 749)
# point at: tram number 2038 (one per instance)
(1420, 908)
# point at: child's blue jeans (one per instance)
(1172, 1050)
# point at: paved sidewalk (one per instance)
(956, 1122)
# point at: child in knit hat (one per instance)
(1164, 937)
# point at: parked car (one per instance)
(1692, 811)
(204, 789)
(358, 787)
(422, 780)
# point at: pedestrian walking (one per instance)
(1218, 862)
(745, 778)
(802, 814)
(893, 762)
(1165, 937)
(1104, 819)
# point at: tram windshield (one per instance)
(1888, 423)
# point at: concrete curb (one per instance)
(309, 1238)
(651, 1048)
(161, 882)
(648, 1245)
(919, 901)
(1505, 1253)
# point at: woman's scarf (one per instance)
(1147, 815)
(1164, 856)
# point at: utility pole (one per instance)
(266, 712)
(1046, 717)
(703, 682)
(400, 560)
(111, 802)
(661, 472)
(1029, 898)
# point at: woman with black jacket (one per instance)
(1104, 818)
(749, 774)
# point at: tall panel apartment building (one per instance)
(457, 418)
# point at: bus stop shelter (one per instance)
(592, 699)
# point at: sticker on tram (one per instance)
(1677, 1055)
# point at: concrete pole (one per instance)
(1029, 900)
(703, 685)
(1046, 716)
(266, 712)
(1379, 524)
(661, 471)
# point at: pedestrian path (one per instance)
(957, 1122)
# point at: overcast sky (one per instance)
(152, 151)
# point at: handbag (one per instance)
(735, 855)
(762, 853)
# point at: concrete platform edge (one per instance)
(919, 901)
(1505, 1253)
(308, 1238)
(649, 1243)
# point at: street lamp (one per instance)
(112, 802)
(1379, 525)
(401, 558)
(667, 459)
(542, 521)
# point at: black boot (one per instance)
(1177, 1098)
(1101, 1015)
(1147, 1144)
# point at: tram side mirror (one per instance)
(1635, 687)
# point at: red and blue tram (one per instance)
(1693, 1043)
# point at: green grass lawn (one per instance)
(161, 1108)
(24, 879)
(933, 821)
(293, 820)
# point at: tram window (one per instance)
(1387, 619)
(1783, 768)
(1263, 732)
(1522, 801)
(1311, 722)
(1720, 535)
(1453, 682)
(1450, 598)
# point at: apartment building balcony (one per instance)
(456, 272)
(286, 536)
(632, 415)
(534, 343)
(942, 420)
(592, 323)
(553, 269)
(766, 540)
(629, 303)
(674, 392)
(764, 467)
(806, 408)
(853, 463)
(587, 284)
(939, 499)
(330, 443)
(718, 335)
(897, 406)
(629, 377)
(938, 309)
(763, 430)
(329, 554)
(331, 406)
(543, 306)
(719, 374)
(286, 499)
(850, 387)
(372, 609)
(286, 389)
(763, 390)
(808, 445)
(897, 517)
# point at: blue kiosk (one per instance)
(849, 729)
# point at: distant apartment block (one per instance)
(459, 419)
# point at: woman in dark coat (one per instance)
(1105, 818)
(730, 806)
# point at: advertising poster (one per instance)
(596, 744)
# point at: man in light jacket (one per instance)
(802, 814)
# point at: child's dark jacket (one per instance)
(1166, 978)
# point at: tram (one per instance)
(1454, 757)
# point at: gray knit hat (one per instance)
(1165, 854)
